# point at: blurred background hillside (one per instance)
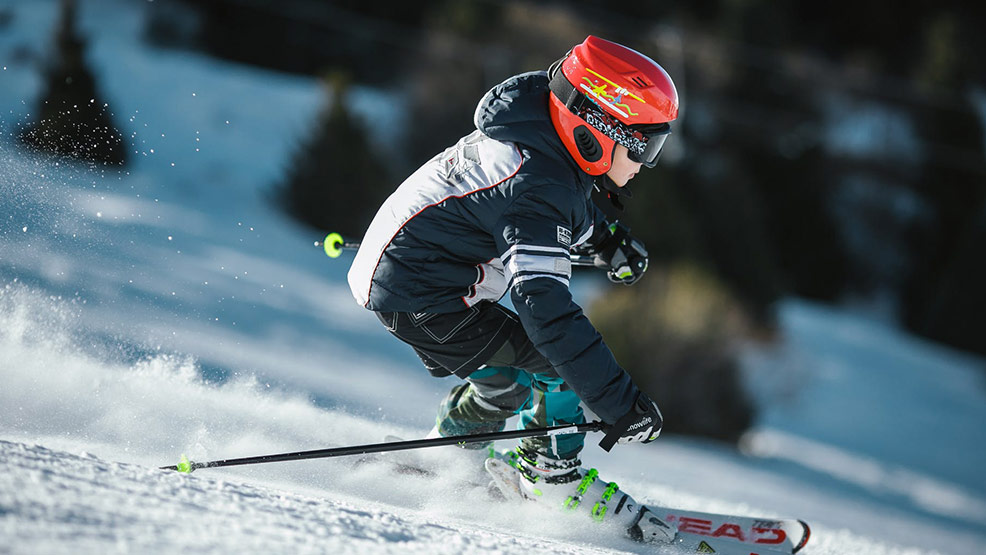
(833, 151)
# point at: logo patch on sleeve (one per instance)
(564, 236)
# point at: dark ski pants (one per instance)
(486, 345)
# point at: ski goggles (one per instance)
(644, 143)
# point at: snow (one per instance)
(129, 508)
(169, 309)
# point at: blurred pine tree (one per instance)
(944, 297)
(73, 118)
(336, 180)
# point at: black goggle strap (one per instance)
(643, 145)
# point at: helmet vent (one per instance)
(587, 144)
(637, 80)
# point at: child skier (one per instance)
(503, 210)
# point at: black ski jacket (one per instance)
(500, 210)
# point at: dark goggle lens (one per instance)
(655, 143)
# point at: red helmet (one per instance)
(603, 93)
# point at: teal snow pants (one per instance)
(494, 394)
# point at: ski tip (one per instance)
(804, 538)
(184, 465)
(331, 245)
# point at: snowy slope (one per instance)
(91, 411)
(168, 309)
(122, 507)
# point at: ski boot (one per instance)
(459, 414)
(566, 485)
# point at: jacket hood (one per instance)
(516, 110)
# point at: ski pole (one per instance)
(333, 244)
(187, 466)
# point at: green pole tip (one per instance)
(331, 245)
(184, 465)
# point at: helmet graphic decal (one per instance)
(599, 91)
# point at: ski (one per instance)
(409, 463)
(698, 532)
(692, 543)
(752, 533)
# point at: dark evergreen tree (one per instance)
(73, 118)
(336, 180)
(956, 314)
(944, 296)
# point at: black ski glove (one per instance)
(623, 255)
(642, 424)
